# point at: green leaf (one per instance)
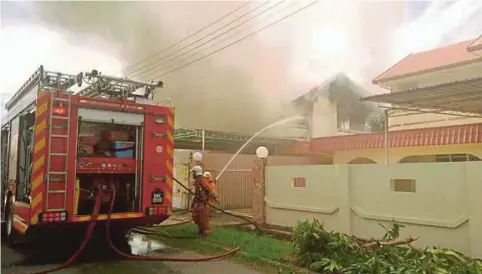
(329, 252)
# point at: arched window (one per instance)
(361, 161)
(439, 158)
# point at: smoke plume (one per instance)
(245, 87)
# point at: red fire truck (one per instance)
(60, 147)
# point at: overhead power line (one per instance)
(239, 40)
(139, 71)
(187, 37)
(154, 66)
(163, 67)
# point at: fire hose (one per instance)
(90, 230)
(88, 235)
(155, 258)
(93, 222)
(258, 229)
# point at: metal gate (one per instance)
(235, 190)
(180, 196)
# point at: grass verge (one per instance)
(262, 252)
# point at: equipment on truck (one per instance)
(52, 170)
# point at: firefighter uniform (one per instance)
(212, 185)
(199, 208)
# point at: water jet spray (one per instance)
(280, 122)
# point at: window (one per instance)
(345, 125)
(439, 158)
(299, 182)
(403, 185)
(361, 161)
(442, 158)
(25, 150)
(473, 158)
(459, 158)
(4, 150)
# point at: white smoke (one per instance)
(442, 23)
(244, 87)
(24, 48)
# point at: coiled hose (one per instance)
(156, 258)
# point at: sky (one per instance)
(245, 86)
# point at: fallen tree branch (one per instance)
(375, 244)
(363, 241)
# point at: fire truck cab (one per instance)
(59, 147)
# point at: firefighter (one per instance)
(212, 185)
(202, 192)
(105, 146)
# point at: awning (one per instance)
(462, 97)
(187, 138)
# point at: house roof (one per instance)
(439, 136)
(324, 89)
(463, 97)
(425, 61)
(342, 90)
(476, 45)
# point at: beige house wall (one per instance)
(444, 210)
(424, 120)
(396, 154)
(215, 161)
(324, 120)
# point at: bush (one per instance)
(329, 252)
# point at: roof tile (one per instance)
(439, 136)
(432, 59)
(476, 45)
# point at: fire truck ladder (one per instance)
(61, 173)
(115, 87)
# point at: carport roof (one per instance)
(188, 138)
(460, 97)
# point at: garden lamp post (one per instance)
(197, 156)
(262, 153)
(259, 188)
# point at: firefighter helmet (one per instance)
(197, 171)
(207, 174)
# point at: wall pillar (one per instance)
(258, 207)
(474, 204)
(343, 183)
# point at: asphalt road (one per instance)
(30, 258)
